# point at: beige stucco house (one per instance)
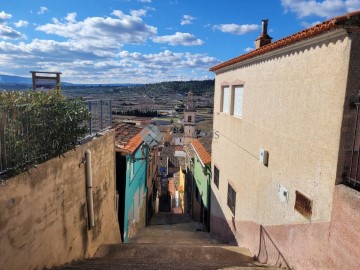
(284, 122)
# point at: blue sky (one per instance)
(144, 41)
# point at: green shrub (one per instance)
(36, 126)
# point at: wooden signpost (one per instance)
(45, 80)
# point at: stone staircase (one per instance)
(170, 242)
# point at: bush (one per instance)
(37, 126)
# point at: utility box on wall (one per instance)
(264, 157)
(283, 193)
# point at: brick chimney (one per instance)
(264, 38)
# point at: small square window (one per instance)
(231, 199)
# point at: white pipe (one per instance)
(89, 195)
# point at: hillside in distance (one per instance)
(7, 79)
(8, 82)
(180, 87)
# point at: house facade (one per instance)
(284, 120)
(152, 139)
(201, 181)
(131, 171)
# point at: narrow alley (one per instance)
(172, 241)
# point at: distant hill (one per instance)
(181, 87)
(14, 79)
(17, 80)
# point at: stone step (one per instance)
(149, 256)
(171, 242)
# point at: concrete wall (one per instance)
(293, 107)
(43, 213)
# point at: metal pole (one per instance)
(90, 121)
(110, 109)
(101, 115)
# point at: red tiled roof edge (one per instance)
(307, 33)
(131, 145)
(201, 151)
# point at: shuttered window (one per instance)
(303, 204)
(225, 99)
(238, 98)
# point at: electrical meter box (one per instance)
(283, 193)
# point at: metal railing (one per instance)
(101, 115)
(18, 131)
(269, 252)
(352, 162)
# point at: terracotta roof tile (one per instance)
(128, 137)
(305, 34)
(168, 152)
(179, 148)
(189, 150)
(202, 151)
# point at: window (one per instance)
(216, 176)
(225, 99)
(238, 97)
(231, 199)
(189, 118)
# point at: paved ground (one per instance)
(170, 242)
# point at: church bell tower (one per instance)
(189, 119)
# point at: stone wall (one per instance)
(43, 213)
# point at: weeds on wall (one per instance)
(36, 126)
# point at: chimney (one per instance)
(264, 38)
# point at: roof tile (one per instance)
(203, 149)
(128, 137)
(307, 33)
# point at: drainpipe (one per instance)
(89, 195)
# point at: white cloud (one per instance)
(90, 51)
(236, 29)
(4, 16)
(70, 17)
(42, 10)
(21, 23)
(308, 25)
(184, 39)
(7, 32)
(248, 49)
(138, 13)
(102, 33)
(187, 19)
(325, 8)
(144, 1)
